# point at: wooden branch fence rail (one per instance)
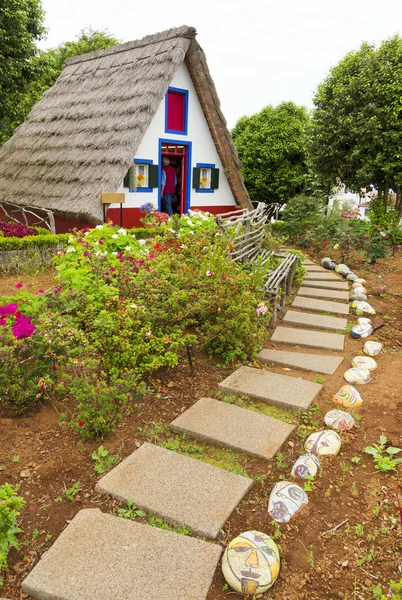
(46, 219)
(246, 246)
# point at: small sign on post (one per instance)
(117, 198)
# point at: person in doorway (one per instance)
(169, 182)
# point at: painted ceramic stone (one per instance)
(338, 419)
(359, 290)
(323, 443)
(362, 331)
(357, 376)
(364, 307)
(357, 297)
(346, 273)
(285, 500)
(250, 563)
(341, 268)
(360, 280)
(356, 284)
(364, 362)
(328, 264)
(326, 259)
(347, 397)
(351, 277)
(306, 465)
(372, 348)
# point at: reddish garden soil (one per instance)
(317, 563)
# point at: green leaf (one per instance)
(370, 450)
(383, 439)
(393, 450)
(140, 513)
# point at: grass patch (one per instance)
(256, 406)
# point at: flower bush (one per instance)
(17, 230)
(123, 308)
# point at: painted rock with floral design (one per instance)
(342, 269)
(351, 277)
(323, 443)
(347, 397)
(285, 500)
(356, 284)
(364, 307)
(357, 376)
(364, 362)
(307, 465)
(251, 563)
(372, 348)
(362, 330)
(339, 419)
(360, 280)
(326, 259)
(358, 290)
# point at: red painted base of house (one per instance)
(131, 216)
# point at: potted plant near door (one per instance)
(152, 217)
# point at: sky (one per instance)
(259, 51)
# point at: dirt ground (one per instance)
(345, 544)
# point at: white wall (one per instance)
(203, 150)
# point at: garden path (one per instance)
(185, 491)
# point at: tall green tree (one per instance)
(21, 26)
(356, 128)
(47, 66)
(272, 145)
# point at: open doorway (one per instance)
(178, 154)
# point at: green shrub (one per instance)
(10, 508)
(33, 241)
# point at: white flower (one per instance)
(182, 245)
(191, 233)
(105, 253)
(114, 253)
(134, 306)
(70, 240)
(122, 231)
(208, 273)
(115, 236)
(99, 227)
(98, 253)
(86, 233)
(181, 229)
(71, 249)
(128, 248)
(141, 242)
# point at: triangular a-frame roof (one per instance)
(80, 138)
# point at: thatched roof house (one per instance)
(81, 137)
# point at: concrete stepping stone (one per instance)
(271, 388)
(307, 261)
(181, 490)
(321, 293)
(328, 285)
(308, 337)
(327, 276)
(230, 426)
(302, 319)
(315, 269)
(100, 557)
(320, 305)
(318, 363)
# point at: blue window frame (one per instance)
(184, 94)
(143, 161)
(205, 166)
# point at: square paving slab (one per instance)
(302, 319)
(230, 426)
(181, 490)
(318, 363)
(307, 261)
(102, 557)
(320, 293)
(271, 388)
(329, 285)
(308, 337)
(320, 305)
(327, 276)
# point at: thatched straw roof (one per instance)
(81, 137)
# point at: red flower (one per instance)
(54, 367)
(18, 286)
(325, 244)
(80, 423)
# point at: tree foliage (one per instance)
(272, 146)
(357, 123)
(47, 66)
(21, 25)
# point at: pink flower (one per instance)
(399, 246)
(39, 292)
(18, 286)
(208, 273)
(80, 423)
(8, 309)
(22, 327)
(149, 334)
(3, 322)
(85, 254)
(262, 309)
(121, 299)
